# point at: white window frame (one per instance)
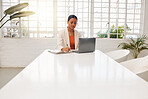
(90, 25)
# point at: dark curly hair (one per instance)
(72, 16)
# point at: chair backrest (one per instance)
(118, 55)
(138, 65)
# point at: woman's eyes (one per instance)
(72, 23)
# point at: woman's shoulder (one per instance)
(77, 32)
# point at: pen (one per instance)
(68, 47)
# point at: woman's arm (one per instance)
(60, 42)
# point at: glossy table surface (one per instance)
(75, 76)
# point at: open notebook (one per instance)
(56, 51)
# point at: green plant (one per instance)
(14, 9)
(135, 45)
(113, 32)
(101, 35)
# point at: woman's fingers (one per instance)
(66, 49)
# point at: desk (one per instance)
(75, 76)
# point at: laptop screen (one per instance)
(86, 45)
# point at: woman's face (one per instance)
(72, 23)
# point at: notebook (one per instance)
(56, 51)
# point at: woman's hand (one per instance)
(66, 49)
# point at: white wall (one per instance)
(21, 52)
(146, 18)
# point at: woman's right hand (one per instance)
(66, 49)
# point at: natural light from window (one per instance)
(96, 18)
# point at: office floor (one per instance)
(144, 75)
(6, 74)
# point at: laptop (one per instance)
(86, 45)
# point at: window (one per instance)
(118, 18)
(97, 18)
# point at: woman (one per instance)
(69, 38)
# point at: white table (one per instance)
(75, 76)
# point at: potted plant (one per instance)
(135, 45)
(11, 11)
(113, 32)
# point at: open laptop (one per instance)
(86, 45)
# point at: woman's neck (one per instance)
(70, 30)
